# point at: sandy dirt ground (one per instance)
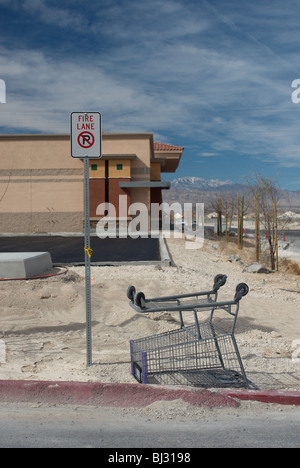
(42, 321)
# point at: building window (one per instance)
(119, 167)
(93, 167)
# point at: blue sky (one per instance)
(213, 76)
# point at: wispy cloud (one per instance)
(213, 77)
(48, 13)
(207, 154)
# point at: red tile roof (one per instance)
(165, 147)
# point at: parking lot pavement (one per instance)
(70, 249)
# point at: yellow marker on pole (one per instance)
(89, 251)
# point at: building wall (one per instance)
(105, 177)
(119, 169)
(140, 145)
(41, 185)
(97, 169)
(115, 191)
(156, 195)
(97, 194)
(155, 171)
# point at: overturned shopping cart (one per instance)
(203, 352)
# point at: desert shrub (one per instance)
(290, 266)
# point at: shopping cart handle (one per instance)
(219, 281)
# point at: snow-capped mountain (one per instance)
(198, 183)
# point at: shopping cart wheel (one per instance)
(131, 293)
(139, 300)
(220, 279)
(242, 289)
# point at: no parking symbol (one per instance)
(86, 139)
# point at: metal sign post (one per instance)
(86, 144)
(87, 256)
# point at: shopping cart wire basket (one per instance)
(203, 352)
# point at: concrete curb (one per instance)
(132, 395)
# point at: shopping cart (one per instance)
(203, 352)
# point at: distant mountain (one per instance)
(199, 190)
(197, 183)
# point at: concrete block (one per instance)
(24, 264)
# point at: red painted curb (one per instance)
(132, 395)
(267, 396)
(107, 394)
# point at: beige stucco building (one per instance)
(41, 185)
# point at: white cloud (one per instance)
(208, 154)
(48, 13)
(167, 67)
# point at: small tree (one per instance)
(240, 220)
(217, 205)
(229, 211)
(265, 194)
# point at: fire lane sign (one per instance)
(86, 141)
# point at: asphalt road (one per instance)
(68, 250)
(26, 426)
